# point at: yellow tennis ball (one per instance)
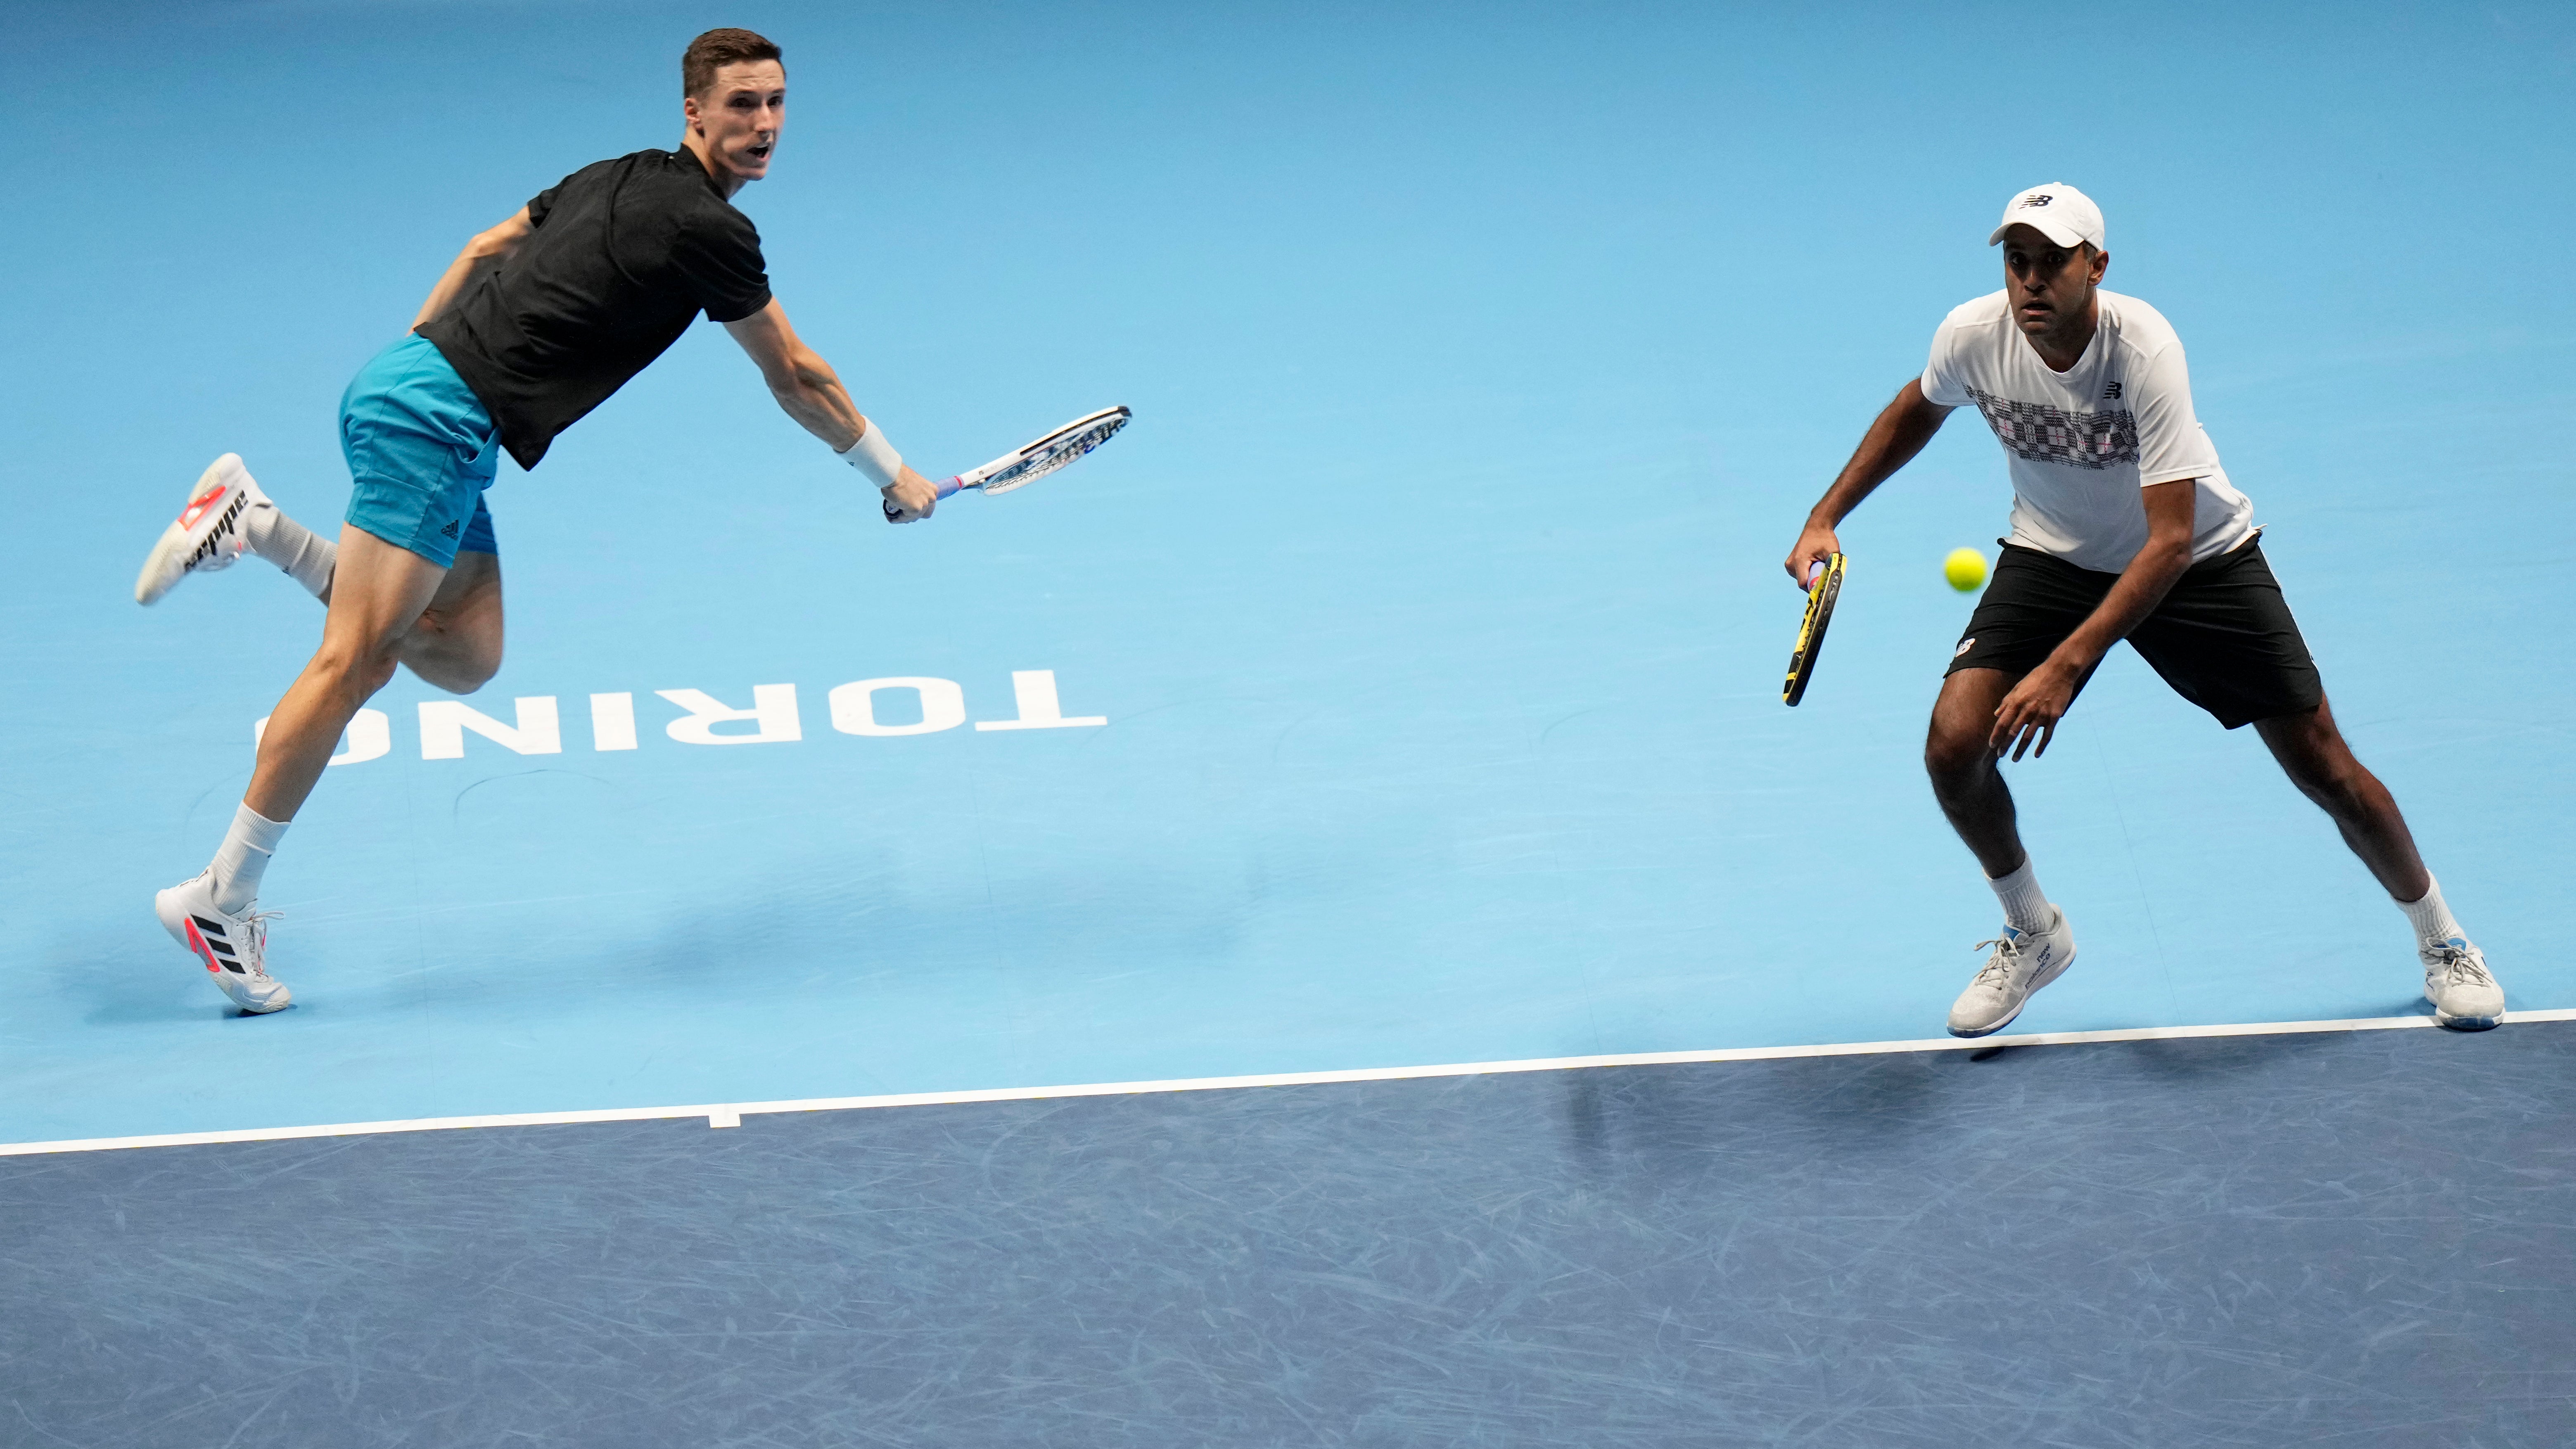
(1965, 568)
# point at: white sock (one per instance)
(2025, 904)
(2432, 919)
(243, 858)
(307, 557)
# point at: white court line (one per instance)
(731, 1114)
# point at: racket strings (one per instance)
(1056, 455)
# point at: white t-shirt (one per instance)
(2084, 441)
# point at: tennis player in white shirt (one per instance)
(2124, 526)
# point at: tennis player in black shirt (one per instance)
(534, 324)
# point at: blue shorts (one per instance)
(421, 450)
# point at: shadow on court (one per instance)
(2352, 1237)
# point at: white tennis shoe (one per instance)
(210, 532)
(2023, 962)
(2456, 981)
(234, 947)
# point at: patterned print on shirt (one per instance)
(2038, 433)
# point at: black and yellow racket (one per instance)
(1821, 593)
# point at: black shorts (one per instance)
(2222, 637)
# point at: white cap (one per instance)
(2056, 211)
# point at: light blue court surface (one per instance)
(1484, 362)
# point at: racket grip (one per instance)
(946, 488)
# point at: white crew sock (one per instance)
(307, 557)
(2432, 919)
(2025, 904)
(243, 858)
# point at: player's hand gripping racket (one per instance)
(1821, 594)
(1027, 465)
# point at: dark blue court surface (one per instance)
(2352, 1239)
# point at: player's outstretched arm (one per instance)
(811, 393)
(488, 249)
(1903, 427)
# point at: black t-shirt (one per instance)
(625, 255)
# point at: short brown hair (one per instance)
(716, 48)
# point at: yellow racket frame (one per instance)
(1811, 630)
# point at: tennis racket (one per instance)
(1821, 594)
(1027, 465)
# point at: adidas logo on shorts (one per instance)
(449, 531)
(1964, 646)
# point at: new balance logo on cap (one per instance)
(449, 531)
(2063, 214)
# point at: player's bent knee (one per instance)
(453, 674)
(357, 672)
(474, 665)
(1955, 755)
(474, 677)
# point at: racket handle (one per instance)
(947, 488)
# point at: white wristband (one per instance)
(874, 457)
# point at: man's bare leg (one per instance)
(389, 606)
(2313, 753)
(1965, 778)
(456, 642)
(2036, 945)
